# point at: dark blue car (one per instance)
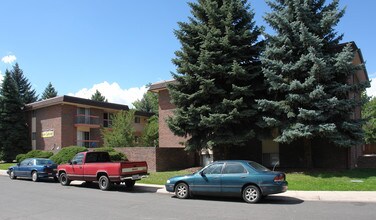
(33, 168)
(236, 178)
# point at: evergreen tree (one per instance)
(97, 96)
(218, 75)
(49, 92)
(150, 136)
(121, 134)
(13, 130)
(27, 94)
(148, 103)
(307, 72)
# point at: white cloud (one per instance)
(372, 90)
(9, 59)
(1, 77)
(113, 93)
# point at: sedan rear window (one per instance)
(257, 166)
(44, 162)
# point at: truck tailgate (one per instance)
(131, 168)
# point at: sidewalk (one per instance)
(333, 196)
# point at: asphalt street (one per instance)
(24, 199)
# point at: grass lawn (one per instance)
(4, 166)
(309, 181)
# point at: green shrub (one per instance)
(67, 153)
(114, 155)
(34, 153)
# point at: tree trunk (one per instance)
(308, 153)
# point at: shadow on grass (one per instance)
(324, 173)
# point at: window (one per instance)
(34, 114)
(213, 169)
(137, 120)
(107, 120)
(78, 159)
(25, 162)
(231, 168)
(43, 162)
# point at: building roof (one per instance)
(162, 85)
(74, 100)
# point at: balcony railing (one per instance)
(90, 120)
(88, 143)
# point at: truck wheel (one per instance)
(34, 176)
(63, 178)
(130, 183)
(104, 183)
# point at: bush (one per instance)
(67, 153)
(34, 153)
(114, 155)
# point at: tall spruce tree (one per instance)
(13, 129)
(97, 96)
(218, 75)
(307, 72)
(148, 103)
(49, 92)
(27, 94)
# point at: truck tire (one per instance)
(104, 183)
(130, 183)
(63, 178)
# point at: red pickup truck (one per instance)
(97, 166)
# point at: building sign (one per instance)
(47, 134)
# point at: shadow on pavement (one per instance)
(121, 188)
(272, 200)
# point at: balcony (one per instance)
(89, 121)
(88, 143)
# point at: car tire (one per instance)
(251, 194)
(182, 191)
(63, 179)
(11, 175)
(104, 183)
(129, 183)
(34, 176)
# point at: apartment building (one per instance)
(65, 121)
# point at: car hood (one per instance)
(177, 178)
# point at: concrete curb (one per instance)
(330, 196)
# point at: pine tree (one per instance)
(27, 94)
(307, 72)
(49, 92)
(97, 96)
(13, 130)
(369, 113)
(218, 75)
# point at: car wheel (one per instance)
(182, 191)
(251, 194)
(34, 176)
(104, 183)
(130, 183)
(63, 178)
(11, 175)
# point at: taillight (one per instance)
(279, 178)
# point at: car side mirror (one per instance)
(18, 164)
(69, 162)
(202, 173)
(74, 162)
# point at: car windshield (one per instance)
(44, 162)
(257, 166)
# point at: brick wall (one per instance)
(367, 161)
(147, 154)
(69, 137)
(48, 118)
(166, 138)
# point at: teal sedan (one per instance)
(234, 178)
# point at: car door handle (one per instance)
(80, 167)
(243, 177)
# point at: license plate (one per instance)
(136, 177)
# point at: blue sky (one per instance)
(118, 46)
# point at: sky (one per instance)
(120, 46)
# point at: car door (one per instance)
(21, 169)
(76, 169)
(208, 181)
(234, 176)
